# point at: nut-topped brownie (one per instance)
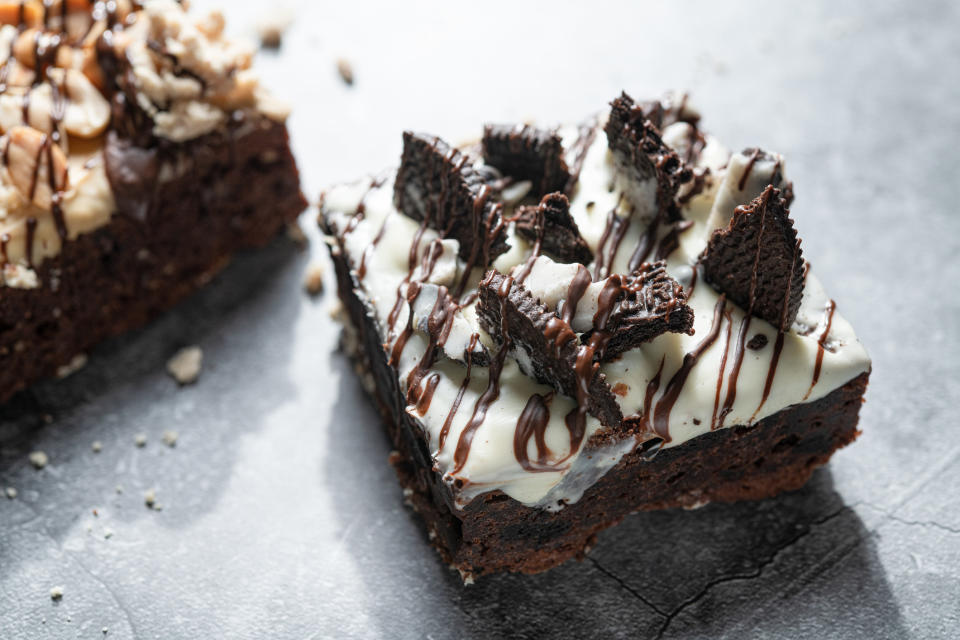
(563, 326)
(139, 152)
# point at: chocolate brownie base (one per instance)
(231, 192)
(496, 533)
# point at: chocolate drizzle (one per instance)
(492, 392)
(821, 345)
(661, 413)
(532, 424)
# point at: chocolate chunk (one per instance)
(756, 260)
(639, 307)
(552, 224)
(551, 350)
(527, 153)
(638, 148)
(436, 183)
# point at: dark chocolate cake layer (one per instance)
(233, 191)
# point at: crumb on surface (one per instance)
(345, 69)
(107, 534)
(185, 365)
(150, 497)
(39, 459)
(313, 280)
(297, 236)
(97, 446)
(56, 593)
(271, 27)
(78, 362)
(140, 440)
(170, 438)
(11, 493)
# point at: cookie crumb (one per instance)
(140, 440)
(150, 498)
(170, 438)
(107, 534)
(97, 446)
(11, 493)
(313, 281)
(271, 28)
(185, 365)
(345, 69)
(297, 236)
(78, 362)
(39, 459)
(105, 631)
(56, 593)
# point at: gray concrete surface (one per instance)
(280, 517)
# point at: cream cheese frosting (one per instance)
(187, 77)
(615, 215)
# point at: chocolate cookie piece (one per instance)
(552, 224)
(527, 153)
(636, 144)
(639, 307)
(437, 184)
(756, 260)
(549, 349)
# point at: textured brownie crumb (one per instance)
(648, 303)
(271, 27)
(436, 185)
(78, 362)
(636, 143)
(527, 153)
(313, 279)
(757, 342)
(548, 343)
(345, 71)
(39, 459)
(756, 260)
(557, 231)
(185, 365)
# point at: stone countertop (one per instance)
(280, 516)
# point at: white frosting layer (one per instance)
(492, 463)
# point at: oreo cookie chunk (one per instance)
(527, 153)
(756, 260)
(557, 231)
(638, 149)
(437, 184)
(545, 346)
(637, 308)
